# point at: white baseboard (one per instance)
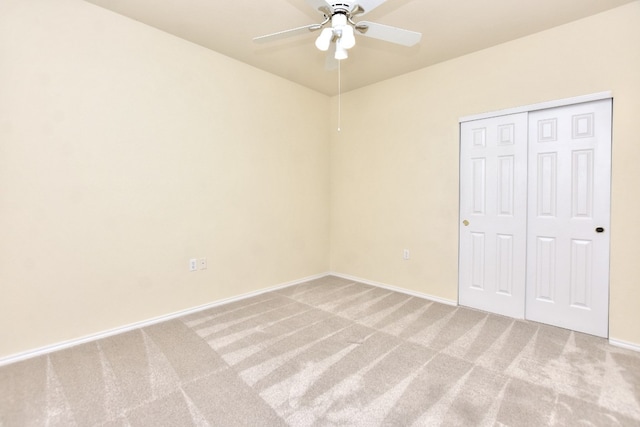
(126, 328)
(396, 289)
(624, 344)
(614, 342)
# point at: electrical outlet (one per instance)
(193, 264)
(202, 263)
(405, 254)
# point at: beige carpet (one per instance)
(330, 353)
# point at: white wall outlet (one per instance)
(193, 264)
(202, 263)
(405, 254)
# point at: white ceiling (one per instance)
(450, 28)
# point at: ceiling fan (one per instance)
(341, 14)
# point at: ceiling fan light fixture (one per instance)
(341, 52)
(347, 39)
(324, 39)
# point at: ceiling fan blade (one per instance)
(287, 33)
(388, 33)
(367, 6)
(322, 6)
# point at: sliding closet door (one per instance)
(493, 188)
(568, 221)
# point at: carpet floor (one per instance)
(330, 352)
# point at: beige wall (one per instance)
(394, 165)
(124, 152)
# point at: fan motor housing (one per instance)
(341, 8)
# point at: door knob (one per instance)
(599, 230)
(465, 222)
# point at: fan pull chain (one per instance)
(339, 95)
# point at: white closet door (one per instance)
(569, 213)
(493, 188)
